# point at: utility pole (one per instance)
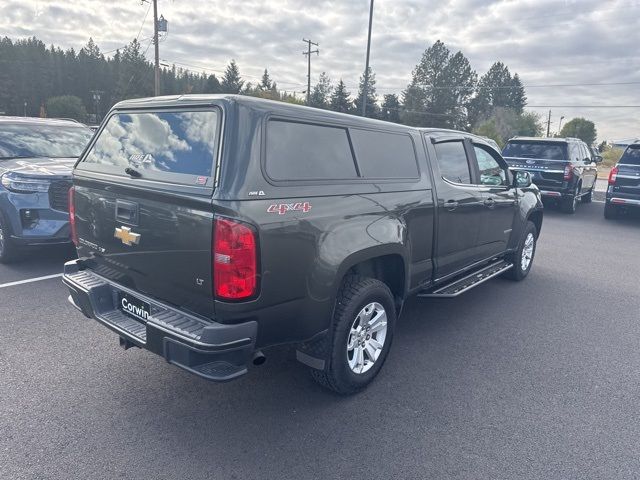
(157, 49)
(365, 91)
(308, 55)
(549, 125)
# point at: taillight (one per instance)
(235, 260)
(613, 174)
(568, 172)
(72, 216)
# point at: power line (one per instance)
(143, 22)
(208, 69)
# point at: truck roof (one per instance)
(545, 139)
(252, 102)
(62, 122)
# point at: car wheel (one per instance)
(570, 202)
(588, 197)
(360, 335)
(8, 250)
(522, 258)
(610, 212)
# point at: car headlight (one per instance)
(18, 183)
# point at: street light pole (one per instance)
(157, 49)
(365, 90)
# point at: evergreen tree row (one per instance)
(444, 91)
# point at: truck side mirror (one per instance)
(598, 159)
(522, 179)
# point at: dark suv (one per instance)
(36, 159)
(211, 227)
(623, 192)
(565, 169)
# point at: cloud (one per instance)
(546, 42)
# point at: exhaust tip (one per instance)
(259, 358)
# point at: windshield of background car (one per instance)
(33, 140)
(631, 155)
(542, 150)
(179, 145)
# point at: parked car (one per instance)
(564, 169)
(211, 227)
(36, 159)
(623, 192)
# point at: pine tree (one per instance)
(231, 80)
(373, 110)
(321, 93)
(497, 89)
(340, 99)
(518, 97)
(265, 84)
(391, 108)
(212, 85)
(440, 90)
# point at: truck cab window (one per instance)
(491, 172)
(453, 163)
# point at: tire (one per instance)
(521, 268)
(588, 197)
(570, 202)
(360, 301)
(9, 252)
(610, 212)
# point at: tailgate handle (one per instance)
(127, 212)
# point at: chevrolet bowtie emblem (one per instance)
(127, 237)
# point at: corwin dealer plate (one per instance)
(134, 307)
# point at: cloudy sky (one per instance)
(549, 43)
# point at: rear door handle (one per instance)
(490, 202)
(451, 205)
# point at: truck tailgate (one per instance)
(156, 243)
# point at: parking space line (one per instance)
(30, 280)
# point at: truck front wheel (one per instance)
(360, 335)
(522, 258)
(8, 251)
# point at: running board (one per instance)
(458, 287)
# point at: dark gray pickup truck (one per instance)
(211, 227)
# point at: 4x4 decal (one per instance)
(283, 208)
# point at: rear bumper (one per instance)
(208, 349)
(623, 200)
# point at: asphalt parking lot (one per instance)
(532, 380)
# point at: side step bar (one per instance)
(461, 285)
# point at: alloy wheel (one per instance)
(366, 338)
(527, 252)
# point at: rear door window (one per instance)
(532, 149)
(177, 146)
(303, 151)
(384, 155)
(631, 156)
(453, 163)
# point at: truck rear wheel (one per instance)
(522, 258)
(360, 335)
